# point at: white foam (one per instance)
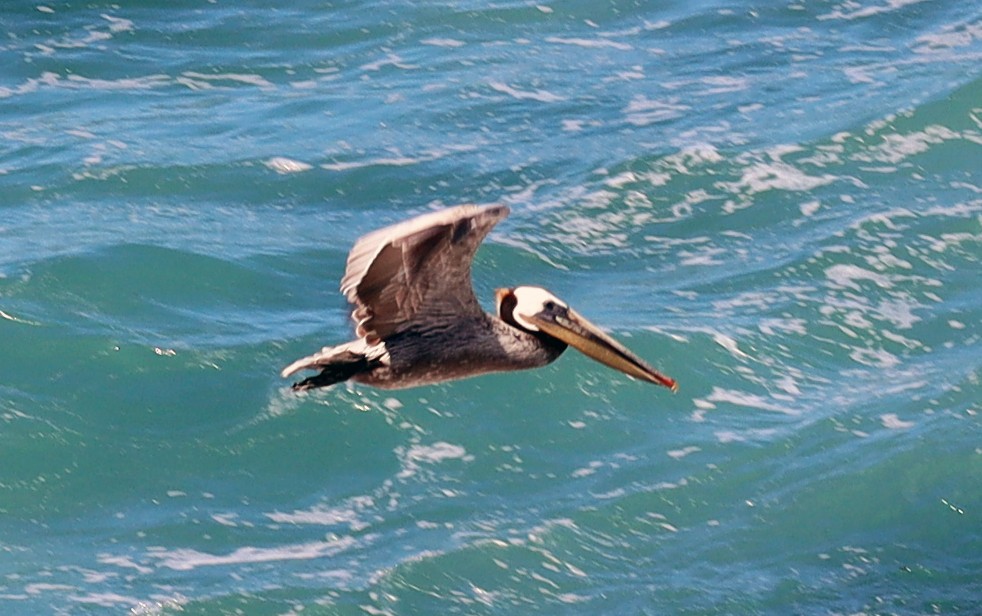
(723, 84)
(642, 111)
(740, 398)
(729, 344)
(866, 11)
(542, 96)
(81, 82)
(10, 317)
(895, 148)
(389, 60)
(585, 471)
(678, 454)
(899, 312)
(186, 559)
(763, 176)
(443, 42)
(118, 24)
(244, 78)
(106, 599)
(123, 562)
(756, 434)
(429, 454)
(789, 325)
(43, 587)
(847, 276)
(225, 519)
(347, 513)
(892, 422)
(283, 165)
(400, 161)
(589, 43)
(809, 208)
(705, 256)
(877, 358)
(157, 606)
(949, 37)
(436, 453)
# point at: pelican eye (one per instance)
(550, 305)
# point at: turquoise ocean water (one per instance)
(777, 203)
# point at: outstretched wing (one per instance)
(417, 270)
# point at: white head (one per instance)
(513, 303)
(535, 310)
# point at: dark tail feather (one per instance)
(340, 369)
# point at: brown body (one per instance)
(418, 321)
(424, 356)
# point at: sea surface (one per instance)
(777, 203)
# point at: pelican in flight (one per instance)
(418, 321)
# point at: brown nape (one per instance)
(507, 302)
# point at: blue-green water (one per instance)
(779, 204)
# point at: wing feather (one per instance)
(416, 270)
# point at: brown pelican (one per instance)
(418, 321)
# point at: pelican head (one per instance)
(539, 312)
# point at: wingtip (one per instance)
(293, 368)
(499, 208)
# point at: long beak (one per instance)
(568, 326)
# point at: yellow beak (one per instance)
(567, 325)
